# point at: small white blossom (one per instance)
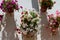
(36, 27)
(31, 25)
(27, 29)
(50, 23)
(31, 30)
(24, 26)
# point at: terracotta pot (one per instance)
(43, 8)
(30, 36)
(10, 14)
(54, 30)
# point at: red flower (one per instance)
(52, 15)
(26, 12)
(21, 7)
(18, 29)
(19, 32)
(21, 20)
(54, 21)
(48, 15)
(57, 12)
(22, 13)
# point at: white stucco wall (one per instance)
(27, 4)
(55, 7)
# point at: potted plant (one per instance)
(9, 6)
(29, 24)
(46, 5)
(54, 25)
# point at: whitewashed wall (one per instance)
(28, 4)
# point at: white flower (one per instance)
(31, 30)
(31, 25)
(24, 32)
(27, 29)
(50, 23)
(24, 25)
(38, 21)
(36, 27)
(29, 17)
(33, 20)
(25, 16)
(54, 23)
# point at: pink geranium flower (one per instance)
(57, 13)
(9, 6)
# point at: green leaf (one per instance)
(33, 14)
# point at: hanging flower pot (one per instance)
(46, 5)
(43, 8)
(54, 30)
(54, 24)
(9, 6)
(29, 24)
(29, 36)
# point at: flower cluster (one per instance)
(48, 4)
(29, 21)
(9, 6)
(54, 21)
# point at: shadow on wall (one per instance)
(35, 5)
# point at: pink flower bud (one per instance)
(18, 29)
(21, 7)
